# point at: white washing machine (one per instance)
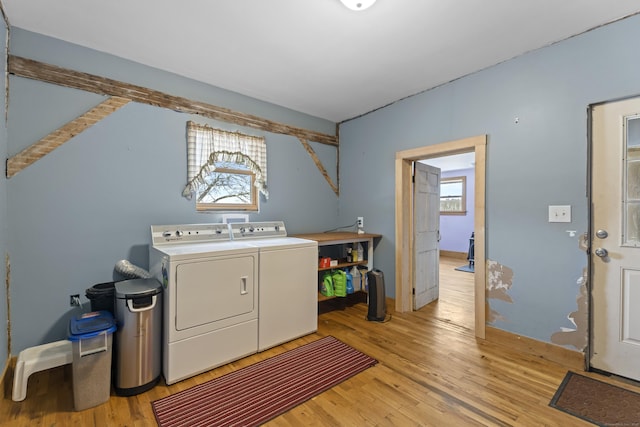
(288, 284)
(210, 296)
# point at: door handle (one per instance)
(243, 285)
(601, 252)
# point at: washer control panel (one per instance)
(257, 230)
(189, 233)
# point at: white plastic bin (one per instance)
(91, 336)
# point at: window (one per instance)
(453, 196)
(228, 188)
(225, 170)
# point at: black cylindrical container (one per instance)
(102, 297)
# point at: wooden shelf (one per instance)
(326, 298)
(336, 238)
(344, 265)
(325, 303)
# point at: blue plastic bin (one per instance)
(91, 335)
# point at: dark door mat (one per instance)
(467, 268)
(597, 402)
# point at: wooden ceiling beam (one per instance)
(320, 167)
(55, 139)
(31, 69)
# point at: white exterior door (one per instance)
(426, 234)
(615, 245)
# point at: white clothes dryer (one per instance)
(288, 286)
(210, 313)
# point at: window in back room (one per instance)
(453, 196)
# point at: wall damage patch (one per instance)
(7, 283)
(499, 281)
(578, 336)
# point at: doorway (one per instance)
(404, 221)
(455, 264)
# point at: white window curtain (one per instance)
(206, 146)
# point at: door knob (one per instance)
(601, 252)
(602, 234)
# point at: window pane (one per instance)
(631, 191)
(229, 187)
(451, 204)
(226, 188)
(633, 137)
(451, 188)
(632, 235)
(633, 180)
(452, 195)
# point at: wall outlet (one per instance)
(360, 221)
(74, 300)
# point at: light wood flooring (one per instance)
(432, 371)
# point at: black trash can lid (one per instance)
(134, 288)
(100, 289)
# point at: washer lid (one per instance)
(274, 243)
(137, 288)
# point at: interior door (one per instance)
(615, 244)
(426, 234)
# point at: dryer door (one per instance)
(216, 292)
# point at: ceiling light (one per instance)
(358, 4)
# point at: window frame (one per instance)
(463, 196)
(242, 207)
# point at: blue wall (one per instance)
(539, 161)
(455, 230)
(90, 203)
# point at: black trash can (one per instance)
(102, 297)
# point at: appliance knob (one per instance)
(179, 233)
(218, 231)
(242, 230)
(166, 234)
(250, 229)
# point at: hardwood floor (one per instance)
(455, 303)
(431, 372)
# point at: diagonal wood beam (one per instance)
(55, 139)
(48, 73)
(319, 165)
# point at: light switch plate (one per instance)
(560, 213)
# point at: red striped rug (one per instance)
(255, 394)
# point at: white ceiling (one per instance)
(316, 56)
